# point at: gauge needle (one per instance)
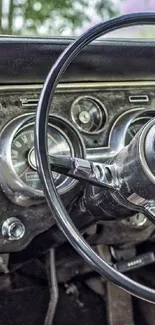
(19, 164)
(24, 172)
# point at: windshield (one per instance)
(67, 17)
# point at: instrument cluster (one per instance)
(88, 116)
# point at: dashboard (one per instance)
(88, 121)
(100, 104)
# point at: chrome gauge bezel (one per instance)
(61, 189)
(102, 108)
(15, 189)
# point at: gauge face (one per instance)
(88, 114)
(23, 154)
(134, 127)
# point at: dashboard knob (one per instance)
(13, 229)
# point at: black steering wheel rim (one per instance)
(54, 201)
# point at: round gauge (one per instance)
(134, 127)
(88, 114)
(23, 154)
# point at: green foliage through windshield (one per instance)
(52, 17)
(66, 17)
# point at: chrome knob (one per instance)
(13, 229)
(84, 117)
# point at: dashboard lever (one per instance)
(98, 174)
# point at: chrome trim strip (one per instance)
(80, 85)
(138, 98)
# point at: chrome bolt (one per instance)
(13, 229)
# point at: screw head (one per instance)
(13, 229)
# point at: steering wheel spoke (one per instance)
(97, 174)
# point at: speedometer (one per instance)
(23, 154)
(19, 175)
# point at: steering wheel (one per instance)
(57, 208)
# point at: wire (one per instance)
(54, 293)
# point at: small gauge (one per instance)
(88, 114)
(23, 154)
(135, 126)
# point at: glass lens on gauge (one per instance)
(23, 154)
(134, 127)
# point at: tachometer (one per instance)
(135, 126)
(23, 154)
